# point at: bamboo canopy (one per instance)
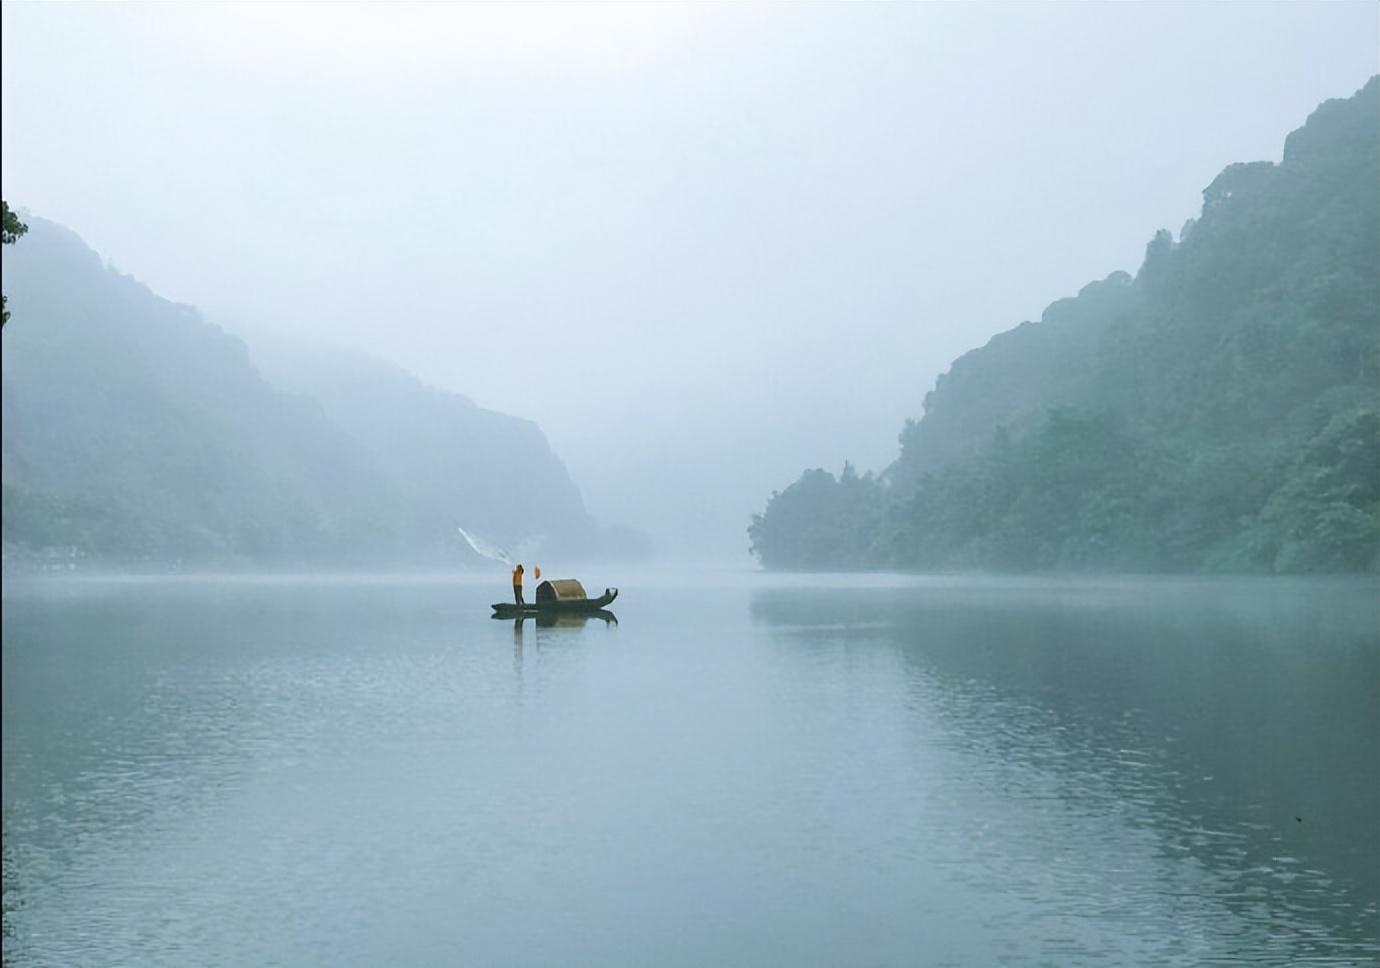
(561, 590)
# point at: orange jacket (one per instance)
(517, 577)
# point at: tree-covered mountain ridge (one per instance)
(1220, 411)
(134, 431)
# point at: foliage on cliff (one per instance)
(135, 431)
(1220, 411)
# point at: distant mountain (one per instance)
(134, 431)
(448, 460)
(1220, 411)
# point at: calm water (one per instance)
(743, 771)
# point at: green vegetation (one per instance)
(136, 432)
(820, 522)
(1219, 412)
(12, 230)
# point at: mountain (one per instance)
(1219, 411)
(448, 460)
(135, 431)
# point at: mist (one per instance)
(690, 484)
(702, 247)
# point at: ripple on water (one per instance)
(374, 780)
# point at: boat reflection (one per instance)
(562, 620)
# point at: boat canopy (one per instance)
(561, 590)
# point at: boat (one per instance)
(557, 596)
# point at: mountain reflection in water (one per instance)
(1237, 720)
(751, 770)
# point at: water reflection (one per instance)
(559, 620)
(1236, 722)
(1091, 774)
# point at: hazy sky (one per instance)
(704, 247)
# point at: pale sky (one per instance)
(704, 246)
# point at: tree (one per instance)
(1218, 413)
(13, 229)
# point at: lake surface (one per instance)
(745, 770)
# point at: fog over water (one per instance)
(739, 769)
(1090, 679)
(704, 247)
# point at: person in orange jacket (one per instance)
(517, 584)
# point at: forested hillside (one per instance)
(441, 454)
(1218, 411)
(134, 431)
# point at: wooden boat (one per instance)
(557, 596)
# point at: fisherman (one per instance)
(517, 584)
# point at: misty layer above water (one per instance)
(743, 770)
